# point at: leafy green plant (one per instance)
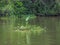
(19, 8)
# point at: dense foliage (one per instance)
(19, 7)
(42, 6)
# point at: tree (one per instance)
(6, 7)
(41, 7)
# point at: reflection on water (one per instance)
(46, 33)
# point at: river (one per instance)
(49, 37)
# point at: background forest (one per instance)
(28, 7)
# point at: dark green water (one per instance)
(49, 37)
